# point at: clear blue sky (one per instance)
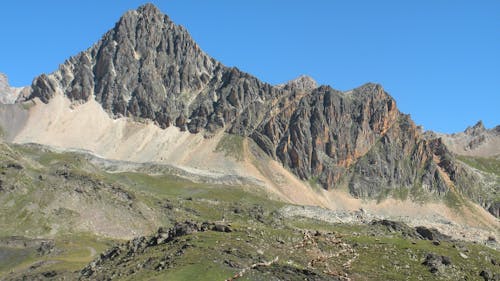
(440, 59)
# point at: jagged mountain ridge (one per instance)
(148, 67)
(8, 94)
(479, 148)
(473, 141)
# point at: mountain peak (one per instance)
(146, 15)
(149, 8)
(476, 129)
(303, 82)
(8, 94)
(148, 67)
(138, 68)
(4, 83)
(3, 79)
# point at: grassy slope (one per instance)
(489, 165)
(260, 234)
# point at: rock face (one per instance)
(478, 147)
(303, 82)
(148, 67)
(8, 95)
(474, 141)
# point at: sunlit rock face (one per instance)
(148, 67)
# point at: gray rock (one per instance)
(183, 228)
(431, 234)
(148, 67)
(489, 276)
(436, 263)
(222, 227)
(9, 95)
(395, 226)
(46, 247)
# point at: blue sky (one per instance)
(440, 59)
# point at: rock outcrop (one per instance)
(148, 67)
(479, 148)
(474, 141)
(9, 95)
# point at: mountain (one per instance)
(173, 166)
(479, 148)
(9, 95)
(73, 216)
(147, 67)
(474, 141)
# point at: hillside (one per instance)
(78, 213)
(473, 141)
(147, 92)
(143, 158)
(8, 94)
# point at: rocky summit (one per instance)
(9, 95)
(473, 141)
(143, 158)
(148, 67)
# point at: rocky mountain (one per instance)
(72, 216)
(479, 148)
(474, 141)
(148, 68)
(9, 95)
(143, 158)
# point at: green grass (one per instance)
(418, 194)
(27, 105)
(231, 145)
(72, 253)
(490, 165)
(258, 233)
(381, 255)
(400, 193)
(12, 257)
(402, 259)
(315, 184)
(454, 200)
(77, 250)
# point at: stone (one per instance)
(395, 226)
(8, 94)
(220, 227)
(431, 234)
(149, 67)
(487, 275)
(436, 263)
(49, 274)
(183, 228)
(46, 247)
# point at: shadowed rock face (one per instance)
(148, 67)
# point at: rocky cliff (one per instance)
(473, 141)
(148, 67)
(9, 95)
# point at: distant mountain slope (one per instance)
(150, 70)
(68, 216)
(474, 141)
(479, 148)
(9, 95)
